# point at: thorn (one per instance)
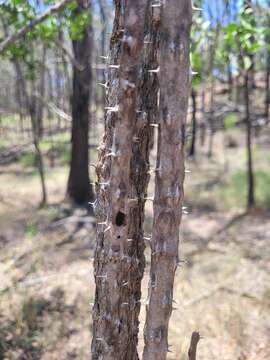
(147, 238)
(112, 108)
(180, 262)
(93, 204)
(154, 125)
(155, 71)
(196, 8)
(104, 57)
(147, 42)
(187, 171)
(102, 223)
(105, 183)
(114, 66)
(185, 212)
(104, 85)
(149, 198)
(102, 276)
(130, 240)
(124, 303)
(125, 283)
(113, 154)
(156, 5)
(154, 170)
(107, 229)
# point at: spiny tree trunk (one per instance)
(250, 174)
(119, 260)
(194, 122)
(79, 189)
(174, 92)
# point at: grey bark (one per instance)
(122, 178)
(174, 92)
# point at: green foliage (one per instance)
(29, 160)
(234, 191)
(244, 37)
(230, 121)
(31, 230)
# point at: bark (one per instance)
(250, 174)
(123, 176)
(174, 93)
(79, 189)
(194, 123)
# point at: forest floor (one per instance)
(223, 290)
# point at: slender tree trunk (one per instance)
(250, 174)
(103, 46)
(267, 88)
(174, 92)
(123, 157)
(194, 122)
(31, 107)
(79, 189)
(230, 81)
(40, 105)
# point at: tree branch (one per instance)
(195, 337)
(4, 45)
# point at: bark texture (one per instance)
(174, 93)
(79, 189)
(119, 260)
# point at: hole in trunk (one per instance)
(120, 219)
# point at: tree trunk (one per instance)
(123, 176)
(267, 89)
(31, 107)
(41, 87)
(174, 92)
(194, 123)
(103, 46)
(79, 189)
(250, 175)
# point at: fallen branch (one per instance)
(25, 29)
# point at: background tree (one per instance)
(79, 188)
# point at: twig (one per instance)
(195, 338)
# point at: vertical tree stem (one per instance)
(174, 92)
